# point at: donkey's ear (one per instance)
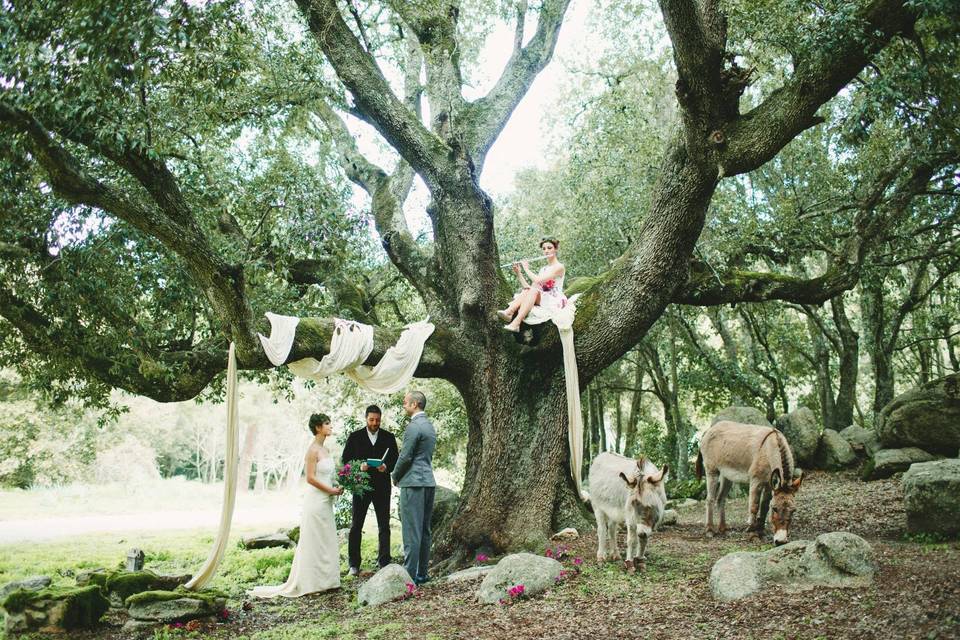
(654, 479)
(796, 482)
(631, 482)
(776, 479)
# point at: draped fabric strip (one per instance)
(563, 318)
(230, 471)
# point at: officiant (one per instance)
(371, 443)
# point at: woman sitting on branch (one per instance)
(542, 295)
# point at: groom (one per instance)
(363, 444)
(414, 475)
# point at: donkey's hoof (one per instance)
(628, 565)
(640, 564)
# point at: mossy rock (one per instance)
(120, 585)
(54, 609)
(175, 606)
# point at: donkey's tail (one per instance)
(699, 467)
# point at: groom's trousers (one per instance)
(416, 509)
(380, 497)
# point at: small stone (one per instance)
(565, 535)
(535, 573)
(470, 574)
(33, 583)
(135, 558)
(268, 541)
(388, 584)
(669, 518)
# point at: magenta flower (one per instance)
(578, 561)
(517, 591)
(224, 615)
(411, 588)
(549, 552)
(481, 557)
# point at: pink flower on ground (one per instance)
(346, 468)
(517, 591)
(224, 615)
(411, 588)
(481, 557)
(578, 561)
(549, 552)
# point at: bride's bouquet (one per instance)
(352, 479)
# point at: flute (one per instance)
(510, 264)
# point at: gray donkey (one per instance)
(733, 452)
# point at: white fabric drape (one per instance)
(563, 318)
(230, 471)
(350, 345)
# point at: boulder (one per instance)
(837, 559)
(834, 452)
(175, 606)
(887, 462)
(53, 609)
(927, 417)
(470, 574)
(743, 415)
(535, 573)
(802, 431)
(445, 503)
(268, 541)
(668, 518)
(390, 583)
(33, 583)
(864, 442)
(93, 576)
(931, 492)
(120, 585)
(565, 535)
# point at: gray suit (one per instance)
(413, 473)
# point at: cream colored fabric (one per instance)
(551, 302)
(316, 562)
(351, 344)
(397, 365)
(230, 470)
(563, 318)
(278, 345)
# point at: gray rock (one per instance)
(177, 610)
(834, 453)
(565, 535)
(669, 518)
(887, 462)
(931, 492)
(864, 442)
(836, 559)
(470, 574)
(743, 415)
(445, 503)
(268, 541)
(682, 504)
(135, 558)
(802, 431)
(390, 583)
(33, 583)
(54, 610)
(927, 417)
(96, 576)
(535, 573)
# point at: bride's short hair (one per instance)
(317, 420)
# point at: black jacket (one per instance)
(358, 447)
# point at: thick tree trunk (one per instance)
(879, 344)
(517, 488)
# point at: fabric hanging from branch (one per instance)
(350, 346)
(230, 466)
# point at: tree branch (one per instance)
(489, 115)
(372, 94)
(758, 135)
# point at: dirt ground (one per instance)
(916, 593)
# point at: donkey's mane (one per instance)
(786, 457)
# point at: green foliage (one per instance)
(689, 488)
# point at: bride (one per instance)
(316, 561)
(543, 295)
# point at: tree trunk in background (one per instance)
(616, 444)
(633, 420)
(246, 457)
(849, 366)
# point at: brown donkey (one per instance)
(733, 452)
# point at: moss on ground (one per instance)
(84, 605)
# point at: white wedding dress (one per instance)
(316, 561)
(552, 300)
